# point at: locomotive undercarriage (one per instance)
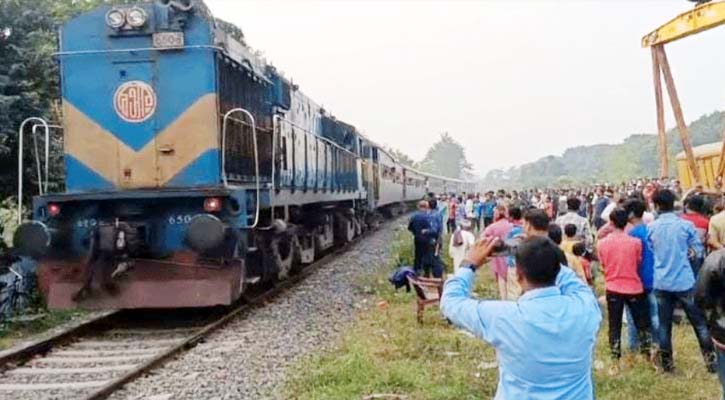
(130, 276)
(287, 246)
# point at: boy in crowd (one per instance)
(621, 255)
(636, 210)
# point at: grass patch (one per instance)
(387, 351)
(23, 325)
(12, 332)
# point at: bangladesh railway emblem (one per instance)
(135, 101)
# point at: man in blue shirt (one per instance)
(489, 205)
(672, 239)
(436, 239)
(636, 209)
(420, 226)
(544, 341)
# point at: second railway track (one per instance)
(94, 359)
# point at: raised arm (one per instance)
(570, 284)
(472, 315)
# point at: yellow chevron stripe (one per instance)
(192, 134)
(185, 139)
(90, 144)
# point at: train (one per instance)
(194, 168)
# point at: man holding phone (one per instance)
(544, 341)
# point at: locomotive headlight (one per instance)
(136, 17)
(115, 18)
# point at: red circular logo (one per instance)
(135, 101)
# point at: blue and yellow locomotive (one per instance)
(194, 168)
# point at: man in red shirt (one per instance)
(452, 209)
(695, 212)
(621, 255)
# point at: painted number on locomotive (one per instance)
(87, 223)
(135, 101)
(179, 219)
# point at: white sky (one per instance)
(511, 80)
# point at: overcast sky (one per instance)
(511, 80)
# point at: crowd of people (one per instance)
(652, 248)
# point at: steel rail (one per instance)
(15, 356)
(247, 305)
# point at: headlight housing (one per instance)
(136, 17)
(115, 18)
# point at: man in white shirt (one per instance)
(461, 241)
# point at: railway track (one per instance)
(94, 359)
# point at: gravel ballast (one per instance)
(249, 358)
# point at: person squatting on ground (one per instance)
(544, 341)
(672, 239)
(621, 256)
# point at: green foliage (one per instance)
(29, 83)
(446, 158)
(637, 156)
(402, 157)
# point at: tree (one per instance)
(402, 157)
(29, 81)
(446, 158)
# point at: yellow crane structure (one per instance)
(706, 15)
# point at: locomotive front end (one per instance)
(145, 220)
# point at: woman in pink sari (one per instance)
(499, 229)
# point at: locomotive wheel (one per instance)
(345, 228)
(373, 220)
(282, 256)
(237, 259)
(304, 248)
(359, 228)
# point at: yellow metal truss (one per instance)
(701, 18)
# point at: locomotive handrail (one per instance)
(47, 153)
(256, 155)
(188, 47)
(42, 122)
